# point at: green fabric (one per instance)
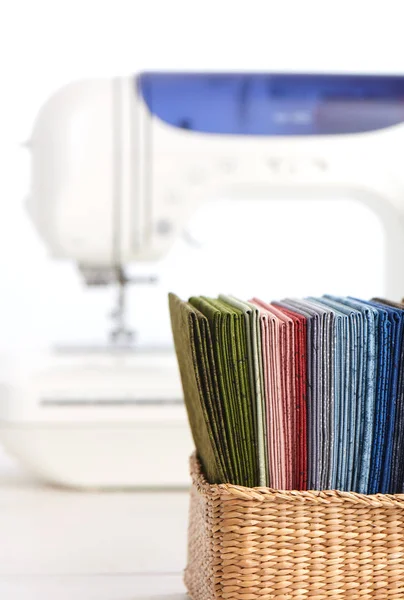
(185, 322)
(231, 434)
(229, 327)
(212, 395)
(255, 366)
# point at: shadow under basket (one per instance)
(259, 543)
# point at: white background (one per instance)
(44, 45)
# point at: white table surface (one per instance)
(67, 545)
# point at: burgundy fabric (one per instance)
(299, 426)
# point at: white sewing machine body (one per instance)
(100, 148)
(118, 168)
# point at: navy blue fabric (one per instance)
(397, 462)
(397, 468)
(384, 367)
(396, 319)
(398, 445)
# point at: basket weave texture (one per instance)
(259, 544)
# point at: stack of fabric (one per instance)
(296, 394)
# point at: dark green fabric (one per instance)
(187, 338)
(218, 324)
(251, 316)
(228, 327)
(212, 395)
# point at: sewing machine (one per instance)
(118, 168)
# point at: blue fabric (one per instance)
(366, 392)
(384, 367)
(395, 317)
(355, 414)
(325, 395)
(349, 463)
(397, 468)
(329, 393)
(397, 463)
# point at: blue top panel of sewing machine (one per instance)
(274, 104)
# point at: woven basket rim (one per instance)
(266, 494)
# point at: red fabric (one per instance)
(300, 414)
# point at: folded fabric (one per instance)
(254, 359)
(280, 350)
(319, 458)
(297, 394)
(233, 425)
(353, 387)
(366, 391)
(270, 344)
(288, 377)
(312, 337)
(300, 435)
(384, 366)
(187, 339)
(396, 319)
(397, 467)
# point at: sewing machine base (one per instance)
(98, 420)
(101, 456)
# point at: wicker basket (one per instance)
(250, 544)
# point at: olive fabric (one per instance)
(187, 342)
(230, 333)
